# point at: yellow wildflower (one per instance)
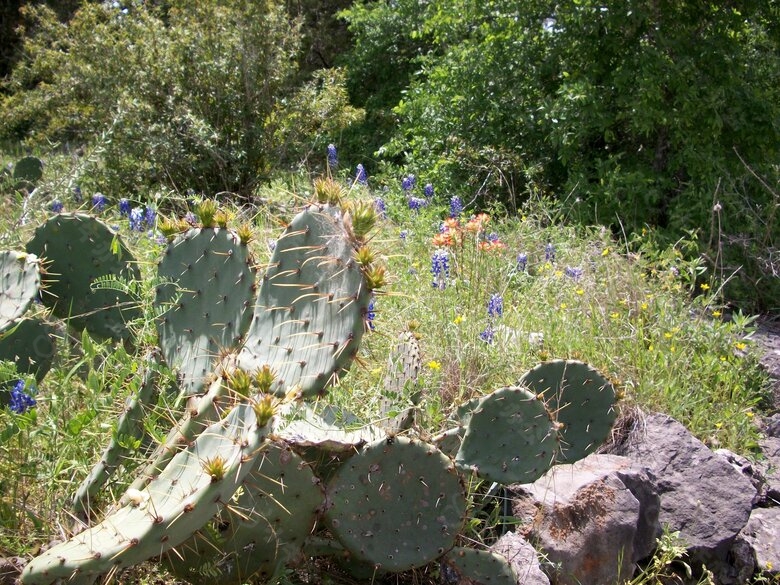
(716, 314)
(459, 319)
(605, 252)
(434, 365)
(705, 286)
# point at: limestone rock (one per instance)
(523, 558)
(762, 533)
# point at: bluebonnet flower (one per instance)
(77, 197)
(440, 268)
(137, 219)
(488, 334)
(493, 237)
(495, 306)
(381, 207)
(417, 203)
(403, 235)
(408, 182)
(456, 206)
(522, 261)
(360, 175)
(56, 206)
(371, 313)
(98, 201)
(124, 207)
(333, 156)
(428, 190)
(272, 245)
(191, 218)
(21, 402)
(149, 216)
(573, 272)
(549, 252)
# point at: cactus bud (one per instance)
(363, 217)
(244, 233)
(264, 377)
(376, 277)
(264, 409)
(240, 382)
(206, 211)
(328, 191)
(365, 256)
(215, 467)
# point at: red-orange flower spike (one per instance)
(442, 239)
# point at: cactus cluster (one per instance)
(257, 474)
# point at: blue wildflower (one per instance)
(456, 206)
(137, 219)
(428, 190)
(77, 197)
(403, 235)
(408, 182)
(417, 203)
(21, 402)
(495, 306)
(361, 176)
(333, 157)
(440, 268)
(272, 245)
(98, 202)
(149, 216)
(522, 262)
(56, 206)
(371, 313)
(191, 218)
(549, 252)
(124, 207)
(493, 237)
(488, 334)
(572, 272)
(381, 207)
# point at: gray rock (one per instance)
(762, 533)
(523, 558)
(744, 466)
(593, 520)
(770, 467)
(702, 495)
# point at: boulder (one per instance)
(523, 558)
(762, 533)
(770, 467)
(702, 495)
(593, 520)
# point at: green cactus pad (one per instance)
(20, 282)
(182, 499)
(28, 169)
(302, 426)
(397, 504)
(265, 526)
(309, 316)
(580, 400)
(29, 343)
(477, 567)
(130, 425)
(208, 287)
(509, 438)
(76, 250)
(400, 388)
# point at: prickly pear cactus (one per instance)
(28, 169)
(263, 528)
(208, 284)
(397, 504)
(20, 282)
(199, 482)
(29, 343)
(509, 438)
(477, 567)
(399, 392)
(309, 317)
(76, 250)
(581, 402)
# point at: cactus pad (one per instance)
(397, 504)
(509, 438)
(171, 508)
(477, 567)
(309, 316)
(28, 169)
(264, 526)
(400, 388)
(208, 287)
(77, 249)
(579, 399)
(28, 343)
(20, 281)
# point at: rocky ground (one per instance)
(768, 338)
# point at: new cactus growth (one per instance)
(20, 282)
(308, 319)
(264, 526)
(208, 283)
(581, 402)
(77, 250)
(397, 504)
(182, 499)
